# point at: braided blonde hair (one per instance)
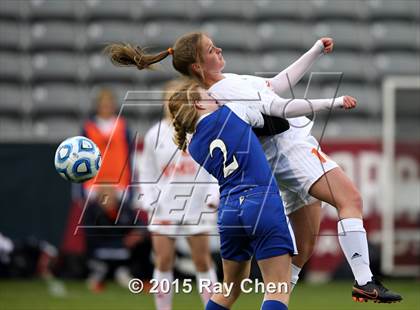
(183, 111)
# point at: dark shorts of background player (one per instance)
(254, 223)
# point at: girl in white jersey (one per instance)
(307, 175)
(177, 193)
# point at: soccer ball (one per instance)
(77, 159)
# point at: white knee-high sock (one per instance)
(353, 242)
(204, 277)
(295, 276)
(163, 301)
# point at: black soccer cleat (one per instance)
(375, 291)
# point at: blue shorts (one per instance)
(254, 223)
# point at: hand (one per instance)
(328, 44)
(349, 102)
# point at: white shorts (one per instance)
(297, 165)
(173, 230)
(180, 224)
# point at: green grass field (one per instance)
(33, 295)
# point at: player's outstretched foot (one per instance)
(375, 291)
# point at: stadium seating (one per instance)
(167, 10)
(273, 9)
(225, 10)
(397, 63)
(241, 63)
(53, 128)
(332, 9)
(347, 35)
(305, 90)
(344, 128)
(233, 35)
(51, 59)
(13, 99)
(354, 66)
(384, 9)
(396, 35)
(55, 35)
(11, 9)
(53, 66)
(282, 35)
(58, 99)
(162, 73)
(100, 70)
(10, 35)
(104, 9)
(368, 98)
(51, 9)
(274, 62)
(101, 33)
(163, 34)
(14, 67)
(11, 128)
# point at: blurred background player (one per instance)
(108, 199)
(177, 205)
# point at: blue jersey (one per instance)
(251, 218)
(225, 145)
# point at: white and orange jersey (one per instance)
(262, 92)
(176, 190)
(300, 127)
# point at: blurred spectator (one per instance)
(30, 257)
(112, 135)
(109, 219)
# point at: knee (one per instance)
(202, 263)
(309, 247)
(351, 200)
(305, 251)
(356, 200)
(164, 262)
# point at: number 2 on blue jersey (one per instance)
(227, 169)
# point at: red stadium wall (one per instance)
(362, 162)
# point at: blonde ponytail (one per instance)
(127, 55)
(186, 51)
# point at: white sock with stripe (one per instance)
(203, 277)
(295, 276)
(163, 301)
(353, 242)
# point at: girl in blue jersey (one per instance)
(251, 217)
